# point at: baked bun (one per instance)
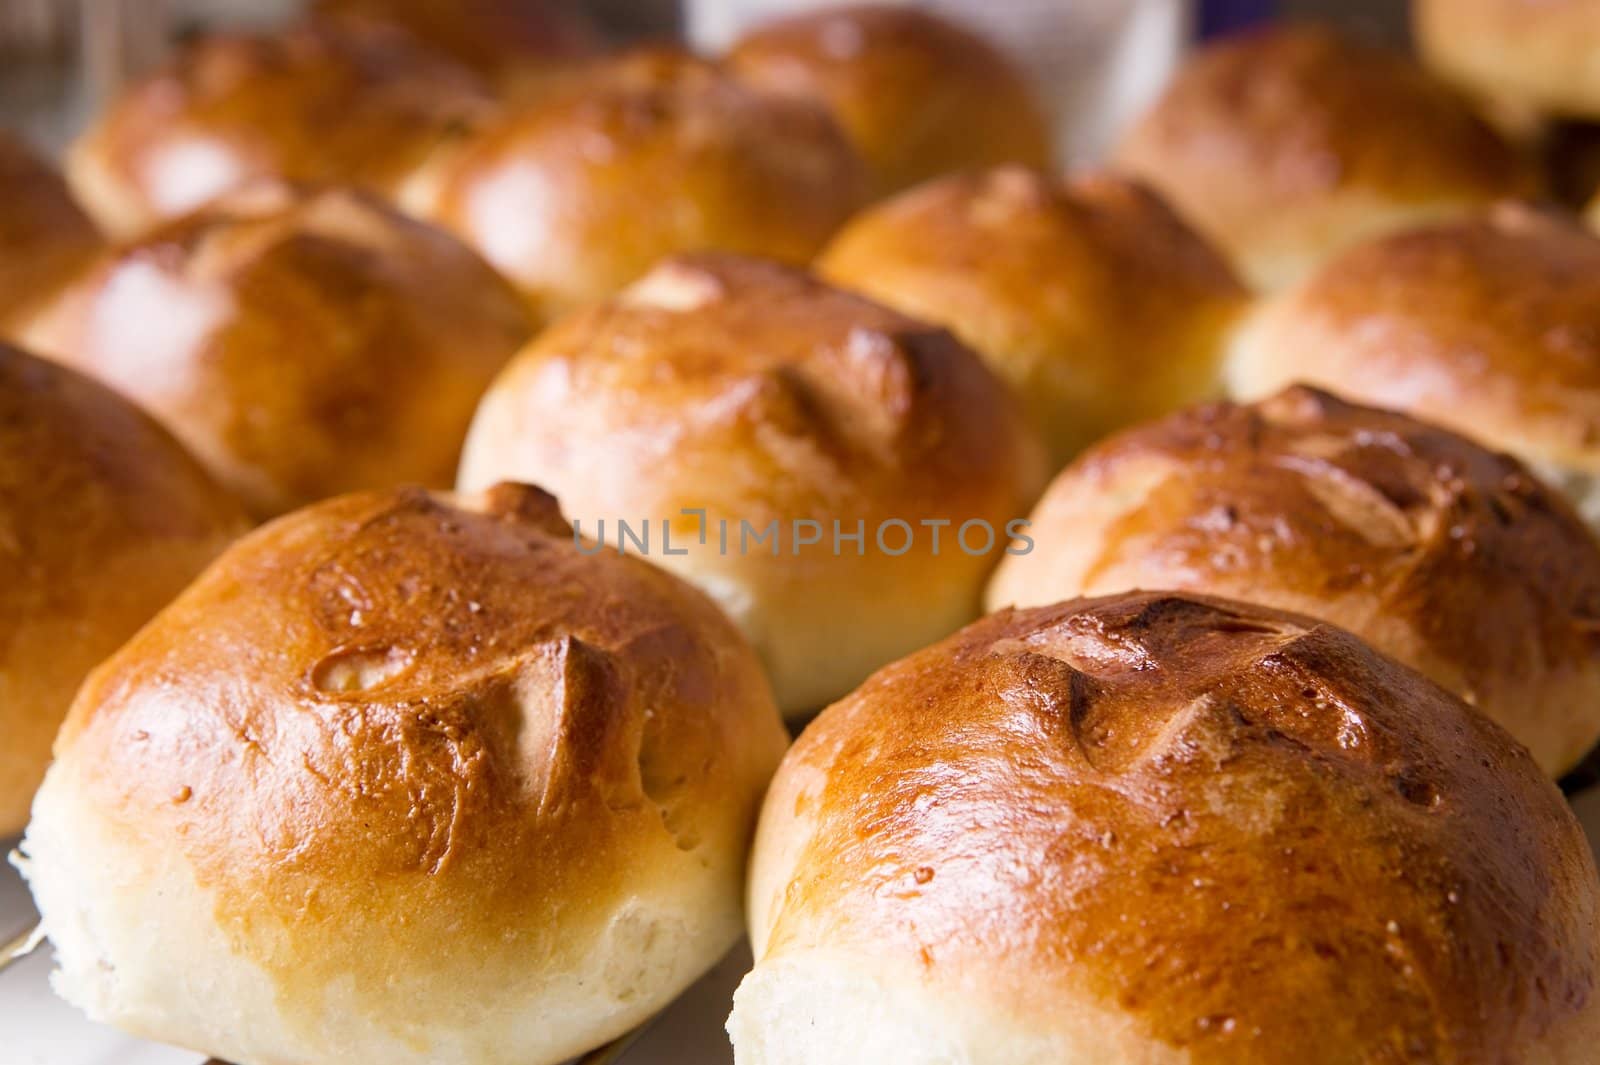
(1536, 54)
(1489, 325)
(301, 344)
(652, 153)
(919, 95)
(1095, 302)
(44, 236)
(103, 519)
(405, 779)
(313, 103)
(745, 416)
(1170, 831)
(1288, 144)
(1452, 559)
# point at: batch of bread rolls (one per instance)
(443, 460)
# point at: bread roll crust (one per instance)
(920, 96)
(1091, 298)
(503, 40)
(103, 519)
(1535, 54)
(441, 787)
(1286, 144)
(301, 342)
(1174, 831)
(44, 236)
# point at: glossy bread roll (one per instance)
(103, 519)
(1288, 144)
(1449, 557)
(44, 236)
(302, 344)
(1170, 831)
(312, 103)
(405, 779)
(1489, 325)
(656, 152)
(921, 96)
(1095, 302)
(1536, 54)
(743, 417)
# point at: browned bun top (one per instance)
(1529, 53)
(639, 157)
(1221, 834)
(1449, 557)
(44, 235)
(311, 103)
(103, 519)
(301, 342)
(1286, 143)
(1090, 297)
(921, 96)
(1490, 325)
(402, 738)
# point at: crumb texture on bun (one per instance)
(44, 236)
(578, 193)
(920, 96)
(1091, 298)
(103, 519)
(302, 343)
(1167, 830)
(1451, 558)
(1535, 54)
(725, 397)
(1289, 143)
(405, 778)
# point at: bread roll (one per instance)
(744, 417)
(1171, 831)
(1489, 325)
(1452, 559)
(1095, 302)
(313, 103)
(103, 519)
(920, 96)
(44, 236)
(405, 779)
(302, 345)
(1536, 54)
(577, 194)
(1288, 144)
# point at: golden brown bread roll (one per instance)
(1171, 831)
(744, 416)
(103, 519)
(44, 236)
(1095, 302)
(1288, 144)
(320, 103)
(919, 95)
(405, 779)
(646, 155)
(1451, 558)
(302, 344)
(1489, 325)
(1536, 54)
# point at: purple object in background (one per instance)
(1225, 16)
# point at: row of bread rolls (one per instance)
(418, 777)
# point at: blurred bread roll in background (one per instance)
(1287, 144)
(302, 343)
(578, 193)
(103, 519)
(44, 236)
(920, 95)
(1489, 325)
(1162, 829)
(1533, 54)
(409, 779)
(319, 103)
(1451, 558)
(779, 409)
(1095, 302)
